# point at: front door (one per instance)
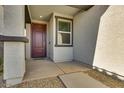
(38, 40)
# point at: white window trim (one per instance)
(71, 31)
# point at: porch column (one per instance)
(1, 43)
(14, 46)
(1, 19)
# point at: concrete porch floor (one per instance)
(39, 69)
(36, 69)
(70, 73)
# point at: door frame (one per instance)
(39, 23)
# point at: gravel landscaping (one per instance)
(53, 82)
(106, 79)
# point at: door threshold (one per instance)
(42, 58)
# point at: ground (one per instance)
(106, 79)
(55, 82)
(45, 75)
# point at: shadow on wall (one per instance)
(104, 8)
(1, 57)
(86, 26)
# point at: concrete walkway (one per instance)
(69, 67)
(70, 73)
(80, 80)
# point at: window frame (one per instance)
(71, 32)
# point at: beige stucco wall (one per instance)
(109, 52)
(86, 26)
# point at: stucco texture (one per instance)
(86, 26)
(14, 52)
(58, 54)
(1, 19)
(109, 52)
(1, 43)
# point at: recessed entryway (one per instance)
(38, 36)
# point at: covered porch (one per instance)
(70, 36)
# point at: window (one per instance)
(63, 32)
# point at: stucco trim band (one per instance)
(13, 39)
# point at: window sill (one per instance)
(63, 45)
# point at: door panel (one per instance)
(38, 40)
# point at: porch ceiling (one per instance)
(46, 10)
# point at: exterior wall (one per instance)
(1, 19)
(14, 52)
(1, 50)
(51, 30)
(109, 52)
(48, 38)
(28, 45)
(62, 54)
(1, 31)
(14, 60)
(59, 54)
(9, 15)
(86, 26)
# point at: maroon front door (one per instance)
(38, 40)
